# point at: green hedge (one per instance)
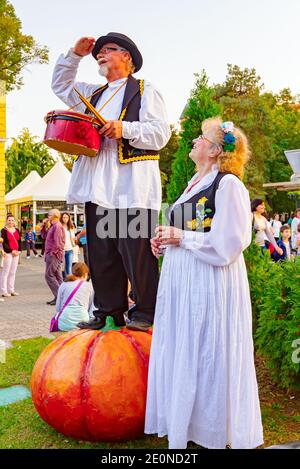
(275, 295)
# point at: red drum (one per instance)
(72, 133)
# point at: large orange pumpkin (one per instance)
(91, 385)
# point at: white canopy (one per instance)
(53, 186)
(23, 188)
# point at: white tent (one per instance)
(36, 192)
(54, 185)
(23, 188)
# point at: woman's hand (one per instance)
(169, 235)
(84, 46)
(155, 247)
(279, 251)
(15, 253)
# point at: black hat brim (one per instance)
(134, 52)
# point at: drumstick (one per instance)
(98, 116)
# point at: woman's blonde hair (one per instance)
(79, 270)
(233, 162)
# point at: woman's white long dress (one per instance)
(202, 384)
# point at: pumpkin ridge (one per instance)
(83, 378)
(47, 363)
(139, 351)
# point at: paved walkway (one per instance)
(27, 315)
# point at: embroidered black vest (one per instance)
(130, 112)
(196, 213)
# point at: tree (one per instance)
(23, 156)
(166, 159)
(68, 160)
(284, 133)
(249, 114)
(16, 49)
(200, 106)
(240, 83)
(242, 102)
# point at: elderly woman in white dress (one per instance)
(202, 384)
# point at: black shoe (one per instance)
(119, 320)
(135, 325)
(52, 302)
(94, 324)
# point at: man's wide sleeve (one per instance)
(152, 132)
(64, 80)
(231, 228)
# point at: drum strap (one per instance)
(130, 112)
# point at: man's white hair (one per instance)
(55, 212)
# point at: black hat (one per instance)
(122, 41)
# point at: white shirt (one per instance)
(276, 225)
(294, 230)
(70, 234)
(103, 180)
(261, 226)
(233, 217)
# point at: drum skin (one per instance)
(72, 133)
(92, 385)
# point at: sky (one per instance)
(176, 39)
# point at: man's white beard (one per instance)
(103, 70)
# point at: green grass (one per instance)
(21, 426)
(20, 360)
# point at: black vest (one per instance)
(130, 112)
(196, 213)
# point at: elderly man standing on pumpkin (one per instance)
(121, 186)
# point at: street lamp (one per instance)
(293, 157)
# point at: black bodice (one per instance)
(196, 213)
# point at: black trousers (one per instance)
(121, 256)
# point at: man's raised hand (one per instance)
(84, 46)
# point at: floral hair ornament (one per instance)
(229, 138)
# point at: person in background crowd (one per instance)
(12, 249)
(66, 222)
(29, 223)
(267, 242)
(298, 240)
(39, 237)
(54, 251)
(77, 309)
(260, 226)
(276, 225)
(284, 243)
(30, 239)
(290, 219)
(294, 229)
(47, 226)
(24, 224)
(81, 240)
(76, 253)
(2, 255)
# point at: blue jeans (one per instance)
(68, 262)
